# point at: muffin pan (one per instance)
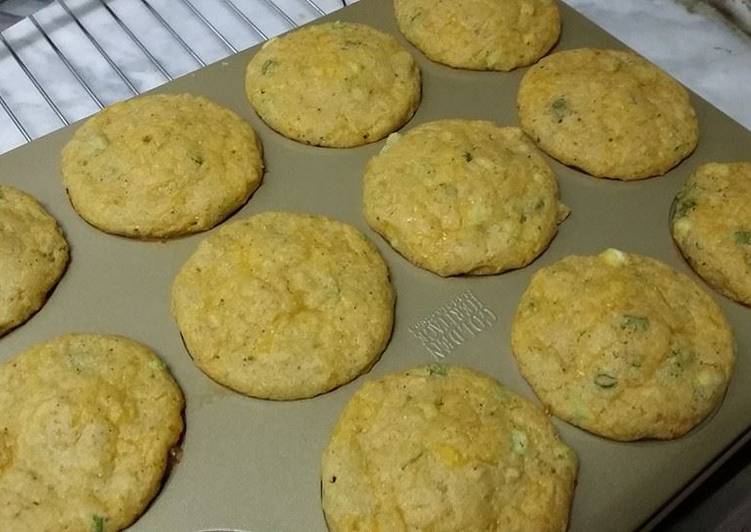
(253, 465)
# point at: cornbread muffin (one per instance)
(623, 346)
(161, 166)
(711, 223)
(609, 112)
(480, 35)
(86, 425)
(445, 449)
(33, 256)
(334, 84)
(284, 306)
(463, 196)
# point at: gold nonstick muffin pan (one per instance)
(249, 464)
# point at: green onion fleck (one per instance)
(743, 238)
(635, 323)
(267, 65)
(560, 109)
(437, 369)
(603, 380)
(683, 207)
(684, 203)
(98, 523)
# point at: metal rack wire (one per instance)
(129, 84)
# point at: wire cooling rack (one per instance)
(262, 19)
(75, 56)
